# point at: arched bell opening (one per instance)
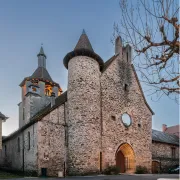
(125, 158)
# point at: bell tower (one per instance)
(37, 90)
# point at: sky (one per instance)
(25, 25)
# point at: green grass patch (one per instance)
(8, 175)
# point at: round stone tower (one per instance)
(84, 109)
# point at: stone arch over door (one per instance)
(125, 158)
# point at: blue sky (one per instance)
(24, 25)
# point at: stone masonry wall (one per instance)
(115, 102)
(162, 152)
(31, 104)
(0, 134)
(84, 115)
(30, 155)
(12, 157)
(51, 142)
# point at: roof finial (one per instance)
(83, 32)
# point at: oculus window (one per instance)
(126, 120)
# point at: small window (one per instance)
(113, 118)
(139, 125)
(66, 136)
(100, 161)
(173, 152)
(29, 139)
(126, 119)
(18, 144)
(5, 150)
(23, 113)
(125, 87)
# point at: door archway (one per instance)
(155, 167)
(125, 158)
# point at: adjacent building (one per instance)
(2, 119)
(171, 130)
(102, 119)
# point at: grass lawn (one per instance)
(7, 175)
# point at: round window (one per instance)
(126, 119)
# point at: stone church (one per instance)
(102, 119)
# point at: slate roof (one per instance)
(83, 48)
(3, 137)
(37, 117)
(84, 42)
(41, 53)
(163, 137)
(108, 62)
(3, 117)
(41, 73)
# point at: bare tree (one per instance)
(151, 27)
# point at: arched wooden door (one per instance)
(155, 167)
(125, 159)
(120, 161)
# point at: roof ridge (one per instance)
(136, 76)
(109, 61)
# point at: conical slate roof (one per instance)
(84, 42)
(83, 48)
(41, 53)
(3, 117)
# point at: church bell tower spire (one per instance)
(41, 58)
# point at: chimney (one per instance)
(118, 45)
(164, 127)
(52, 99)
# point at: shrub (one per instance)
(141, 170)
(111, 170)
